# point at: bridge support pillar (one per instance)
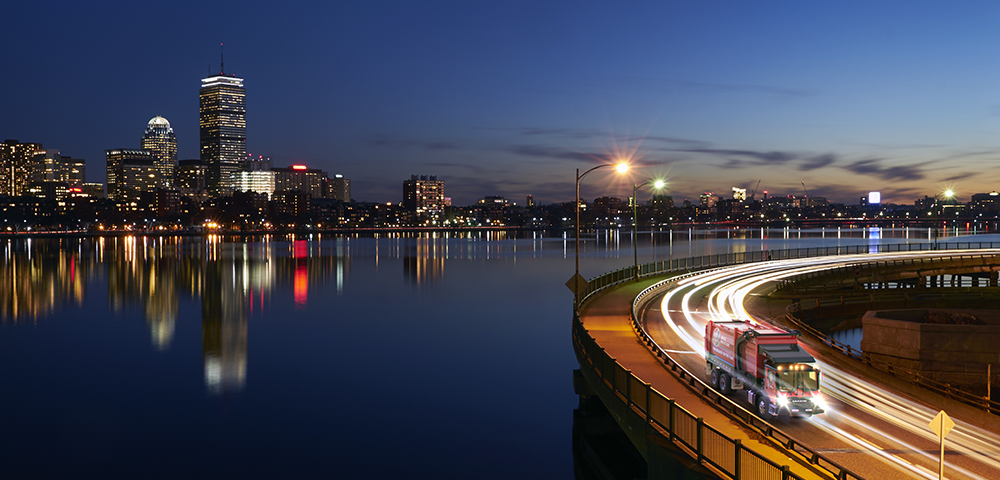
(993, 278)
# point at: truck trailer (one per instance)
(779, 377)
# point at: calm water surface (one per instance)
(416, 356)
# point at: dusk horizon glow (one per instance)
(511, 99)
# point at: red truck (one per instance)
(778, 376)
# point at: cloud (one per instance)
(961, 176)
(557, 153)
(734, 163)
(895, 172)
(584, 134)
(756, 158)
(818, 161)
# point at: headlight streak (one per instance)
(867, 445)
(729, 286)
(967, 439)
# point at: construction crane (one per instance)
(804, 189)
(755, 189)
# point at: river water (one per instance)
(389, 356)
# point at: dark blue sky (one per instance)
(509, 98)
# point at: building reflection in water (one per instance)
(424, 261)
(154, 275)
(300, 254)
(39, 277)
(224, 311)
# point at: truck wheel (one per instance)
(725, 384)
(715, 378)
(762, 403)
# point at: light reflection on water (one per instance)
(317, 348)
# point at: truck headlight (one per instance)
(782, 401)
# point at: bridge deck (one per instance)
(606, 317)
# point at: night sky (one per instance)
(509, 98)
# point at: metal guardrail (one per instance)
(911, 376)
(725, 404)
(867, 267)
(593, 351)
(615, 277)
(703, 442)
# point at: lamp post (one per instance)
(622, 167)
(635, 221)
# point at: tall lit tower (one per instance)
(159, 139)
(15, 166)
(223, 130)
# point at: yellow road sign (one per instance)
(939, 420)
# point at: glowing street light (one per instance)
(576, 281)
(657, 184)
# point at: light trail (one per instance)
(725, 290)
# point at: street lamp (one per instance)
(622, 167)
(657, 184)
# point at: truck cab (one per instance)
(778, 375)
(794, 388)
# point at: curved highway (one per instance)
(867, 429)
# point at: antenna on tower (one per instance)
(222, 59)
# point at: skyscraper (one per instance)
(223, 130)
(159, 138)
(15, 166)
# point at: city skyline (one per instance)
(509, 100)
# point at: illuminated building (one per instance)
(339, 188)
(223, 130)
(708, 200)
(530, 201)
(492, 208)
(190, 175)
(299, 178)
(159, 138)
(987, 202)
(74, 170)
(130, 172)
(57, 192)
(15, 166)
(255, 181)
(47, 165)
(424, 196)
